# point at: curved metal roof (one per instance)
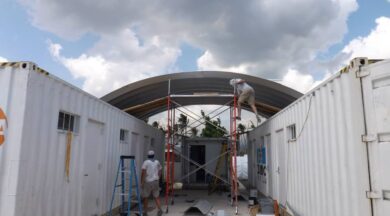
(149, 96)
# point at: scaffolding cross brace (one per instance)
(170, 144)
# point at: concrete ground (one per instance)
(183, 198)
(186, 198)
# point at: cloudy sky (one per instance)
(101, 45)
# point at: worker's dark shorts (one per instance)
(151, 188)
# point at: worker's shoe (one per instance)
(160, 212)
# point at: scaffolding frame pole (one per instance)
(167, 154)
(230, 156)
(194, 162)
(213, 116)
(234, 148)
(173, 147)
(202, 166)
(170, 143)
(199, 119)
(202, 123)
(200, 95)
(173, 156)
(218, 127)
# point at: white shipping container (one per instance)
(328, 152)
(36, 111)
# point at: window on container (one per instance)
(68, 122)
(124, 136)
(292, 134)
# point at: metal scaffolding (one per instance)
(172, 106)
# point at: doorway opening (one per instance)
(198, 154)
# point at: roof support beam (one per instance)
(201, 95)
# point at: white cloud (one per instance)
(278, 38)
(263, 38)
(301, 82)
(208, 62)
(376, 45)
(2, 59)
(117, 60)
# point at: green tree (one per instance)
(252, 125)
(175, 128)
(183, 123)
(162, 129)
(212, 128)
(241, 128)
(155, 124)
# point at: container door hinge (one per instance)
(368, 138)
(362, 73)
(373, 195)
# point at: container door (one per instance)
(136, 149)
(268, 165)
(259, 179)
(263, 166)
(91, 172)
(376, 93)
(198, 154)
(274, 170)
(281, 169)
(253, 163)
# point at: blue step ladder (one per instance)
(126, 191)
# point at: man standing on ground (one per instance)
(245, 94)
(151, 172)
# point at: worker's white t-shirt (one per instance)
(152, 168)
(240, 86)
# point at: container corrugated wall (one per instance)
(376, 94)
(32, 158)
(324, 169)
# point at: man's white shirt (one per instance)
(152, 168)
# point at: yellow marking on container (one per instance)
(3, 126)
(69, 137)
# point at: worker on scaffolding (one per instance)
(245, 94)
(151, 173)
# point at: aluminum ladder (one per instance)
(126, 190)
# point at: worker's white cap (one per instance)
(151, 152)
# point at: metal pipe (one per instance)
(201, 95)
(213, 116)
(218, 127)
(173, 155)
(235, 150)
(167, 154)
(213, 112)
